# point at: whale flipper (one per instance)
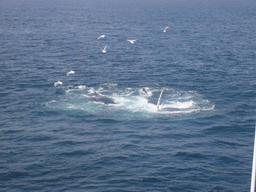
(159, 100)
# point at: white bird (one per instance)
(70, 72)
(166, 28)
(104, 50)
(132, 41)
(102, 36)
(56, 83)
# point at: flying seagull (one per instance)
(132, 41)
(104, 50)
(56, 83)
(166, 28)
(70, 72)
(102, 36)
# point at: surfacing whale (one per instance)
(154, 101)
(151, 100)
(104, 99)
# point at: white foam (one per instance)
(131, 102)
(183, 105)
(109, 85)
(91, 90)
(81, 87)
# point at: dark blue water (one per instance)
(61, 139)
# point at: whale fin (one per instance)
(159, 99)
(253, 164)
(145, 90)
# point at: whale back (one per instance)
(152, 101)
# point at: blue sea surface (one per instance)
(60, 138)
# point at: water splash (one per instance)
(131, 102)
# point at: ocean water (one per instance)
(62, 139)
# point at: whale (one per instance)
(151, 100)
(104, 99)
(155, 101)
